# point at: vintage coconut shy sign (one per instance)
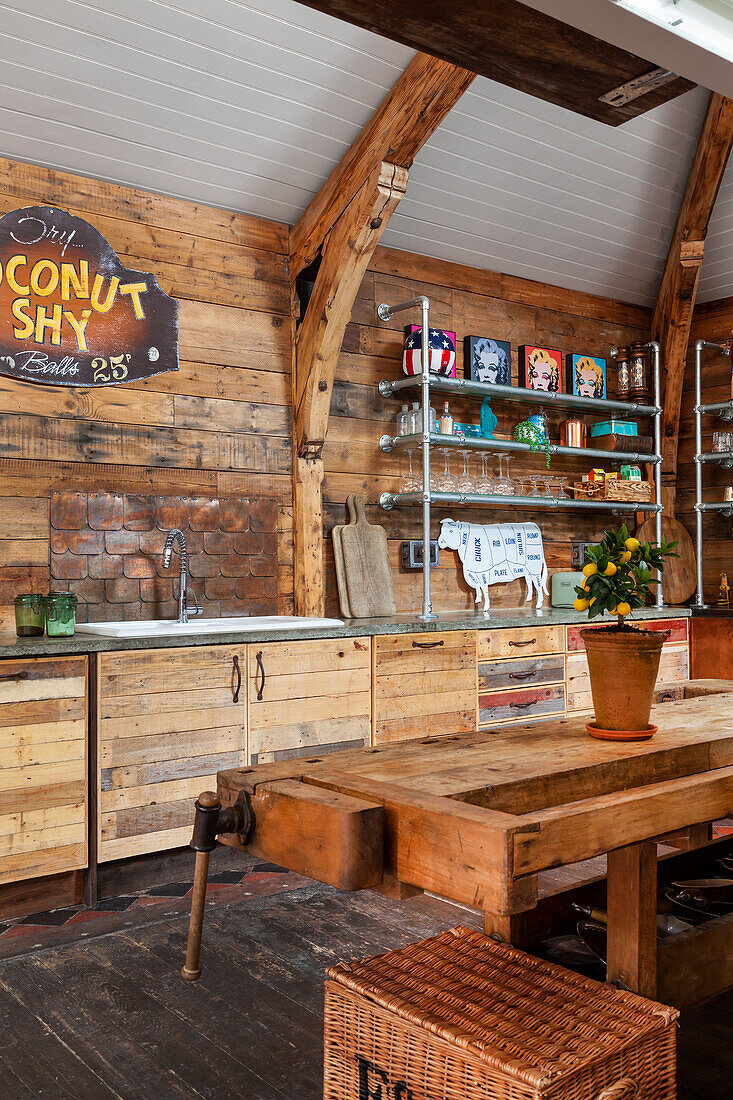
(70, 313)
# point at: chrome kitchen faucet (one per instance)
(176, 535)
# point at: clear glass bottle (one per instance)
(446, 421)
(433, 419)
(403, 421)
(415, 419)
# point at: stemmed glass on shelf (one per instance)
(466, 481)
(446, 482)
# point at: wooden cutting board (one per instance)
(366, 565)
(679, 577)
(338, 557)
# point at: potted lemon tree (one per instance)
(623, 660)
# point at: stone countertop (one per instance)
(511, 618)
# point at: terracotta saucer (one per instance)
(620, 735)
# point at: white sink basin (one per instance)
(156, 627)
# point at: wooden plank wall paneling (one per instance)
(469, 302)
(220, 426)
(711, 321)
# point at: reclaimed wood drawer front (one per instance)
(524, 672)
(677, 631)
(521, 705)
(674, 667)
(167, 723)
(310, 696)
(43, 772)
(522, 642)
(424, 684)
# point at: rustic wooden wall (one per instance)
(220, 427)
(470, 302)
(712, 321)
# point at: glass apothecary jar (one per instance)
(60, 614)
(30, 615)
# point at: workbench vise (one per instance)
(209, 822)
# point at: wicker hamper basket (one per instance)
(460, 1017)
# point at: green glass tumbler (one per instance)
(30, 615)
(60, 614)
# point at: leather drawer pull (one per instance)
(15, 676)
(531, 641)
(427, 645)
(523, 706)
(522, 675)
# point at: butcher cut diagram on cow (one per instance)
(497, 552)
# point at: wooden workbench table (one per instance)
(477, 817)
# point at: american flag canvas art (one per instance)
(442, 351)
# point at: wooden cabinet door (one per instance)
(168, 721)
(424, 684)
(309, 696)
(43, 778)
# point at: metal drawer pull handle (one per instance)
(523, 706)
(531, 641)
(239, 679)
(522, 675)
(427, 645)
(260, 671)
(15, 676)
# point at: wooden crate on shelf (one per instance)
(624, 492)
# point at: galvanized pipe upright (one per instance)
(385, 313)
(699, 346)
(657, 353)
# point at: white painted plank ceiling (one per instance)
(249, 104)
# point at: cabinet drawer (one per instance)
(524, 672)
(43, 773)
(673, 667)
(306, 696)
(424, 684)
(521, 705)
(168, 721)
(521, 642)
(677, 630)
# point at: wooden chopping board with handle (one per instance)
(366, 565)
(338, 558)
(679, 578)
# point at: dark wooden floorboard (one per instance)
(111, 1018)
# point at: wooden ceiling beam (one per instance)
(410, 112)
(675, 303)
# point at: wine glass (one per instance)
(503, 484)
(466, 482)
(484, 483)
(530, 482)
(408, 482)
(447, 483)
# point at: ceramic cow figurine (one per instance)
(497, 552)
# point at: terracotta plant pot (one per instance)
(623, 668)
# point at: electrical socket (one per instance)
(577, 552)
(411, 554)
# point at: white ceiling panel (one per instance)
(249, 105)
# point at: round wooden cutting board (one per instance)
(678, 579)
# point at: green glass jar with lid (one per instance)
(60, 614)
(30, 615)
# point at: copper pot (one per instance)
(572, 432)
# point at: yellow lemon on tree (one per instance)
(586, 583)
(623, 608)
(610, 570)
(581, 605)
(590, 569)
(632, 544)
(613, 611)
(626, 556)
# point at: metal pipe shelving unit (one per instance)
(724, 411)
(462, 387)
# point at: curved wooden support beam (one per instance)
(672, 316)
(410, 112)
